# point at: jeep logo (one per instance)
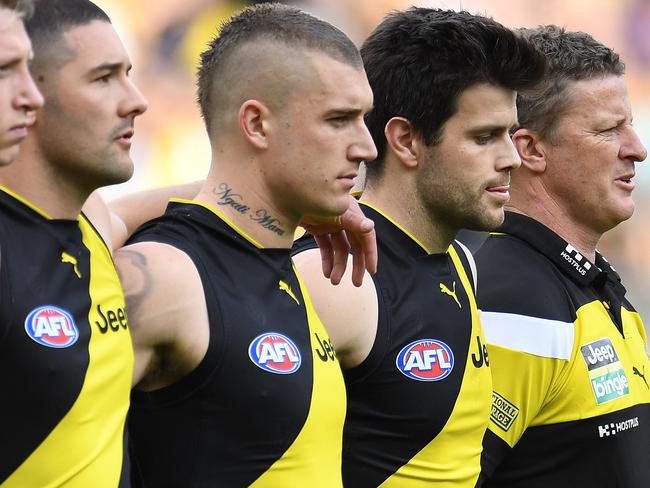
(598, 354)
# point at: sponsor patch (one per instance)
(606, 374)
(275, 353)
(51, 326)
(426, 360)
(614, 428)
(599, 353)
(503, 412)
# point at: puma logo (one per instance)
(452, 293)
(640, 374)
(67, 258)
(287, 289)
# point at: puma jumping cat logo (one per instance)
(287, 289)
(452, 293)
(67, 258)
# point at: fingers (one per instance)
(341, 247)
(336, 236)
(326, 252)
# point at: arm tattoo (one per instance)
(136, 292)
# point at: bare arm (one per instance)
(349, 313)
(133, 210)
(166, 310)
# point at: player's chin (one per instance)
(488, 219)
(120, 171)
(8, 154)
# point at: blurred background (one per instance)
(165, 38)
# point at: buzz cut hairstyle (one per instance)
(419, 62)
(266, 23)
(572, 56)
(23, 8)
(51, 18)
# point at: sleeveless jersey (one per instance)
(571, 403)
(418, 405)
(65, 353)
(266, 405)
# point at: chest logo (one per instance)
(283, 286)
(606, 374)
(425, 360)
(67, 258)
(52, 327)
(641, 375)
(275, 353)
(452, 293)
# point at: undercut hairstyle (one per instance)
(420, 61)
(572, 56)
(267, 26)
(23, 8)
(51, 19)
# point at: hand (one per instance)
(335, 237)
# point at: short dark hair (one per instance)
(264, 24)
(419, 62)
(23, 8)
(572, 56)
(52, 18)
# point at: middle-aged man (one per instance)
(410, 342)
(231, 389)
(571, 402)
(19, 97)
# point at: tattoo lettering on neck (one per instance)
(227, 197)
(263, 218)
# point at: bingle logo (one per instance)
(607, 377)
(610, 386)
(52, 327)
(275, 353)
(425, 360)
(574, 258)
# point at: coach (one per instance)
(571, 401)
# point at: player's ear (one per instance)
(254, 123)
(531, 150)
(402, 140)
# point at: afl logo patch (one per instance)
(426, 360)
(51, 326)
(275, 353)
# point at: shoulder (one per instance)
(349, 313)
(161, 285)
(514, 277)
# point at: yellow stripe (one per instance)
(222, 217)
(314, 458)
(43, 213)
(452, 458)
(397, 225)
(85, 448)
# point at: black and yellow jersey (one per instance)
(571, 401)
(65, 353)
(266, 405)
(418, 405)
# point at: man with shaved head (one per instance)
(19, 97)
(231, 389)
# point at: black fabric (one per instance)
(228, 421)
